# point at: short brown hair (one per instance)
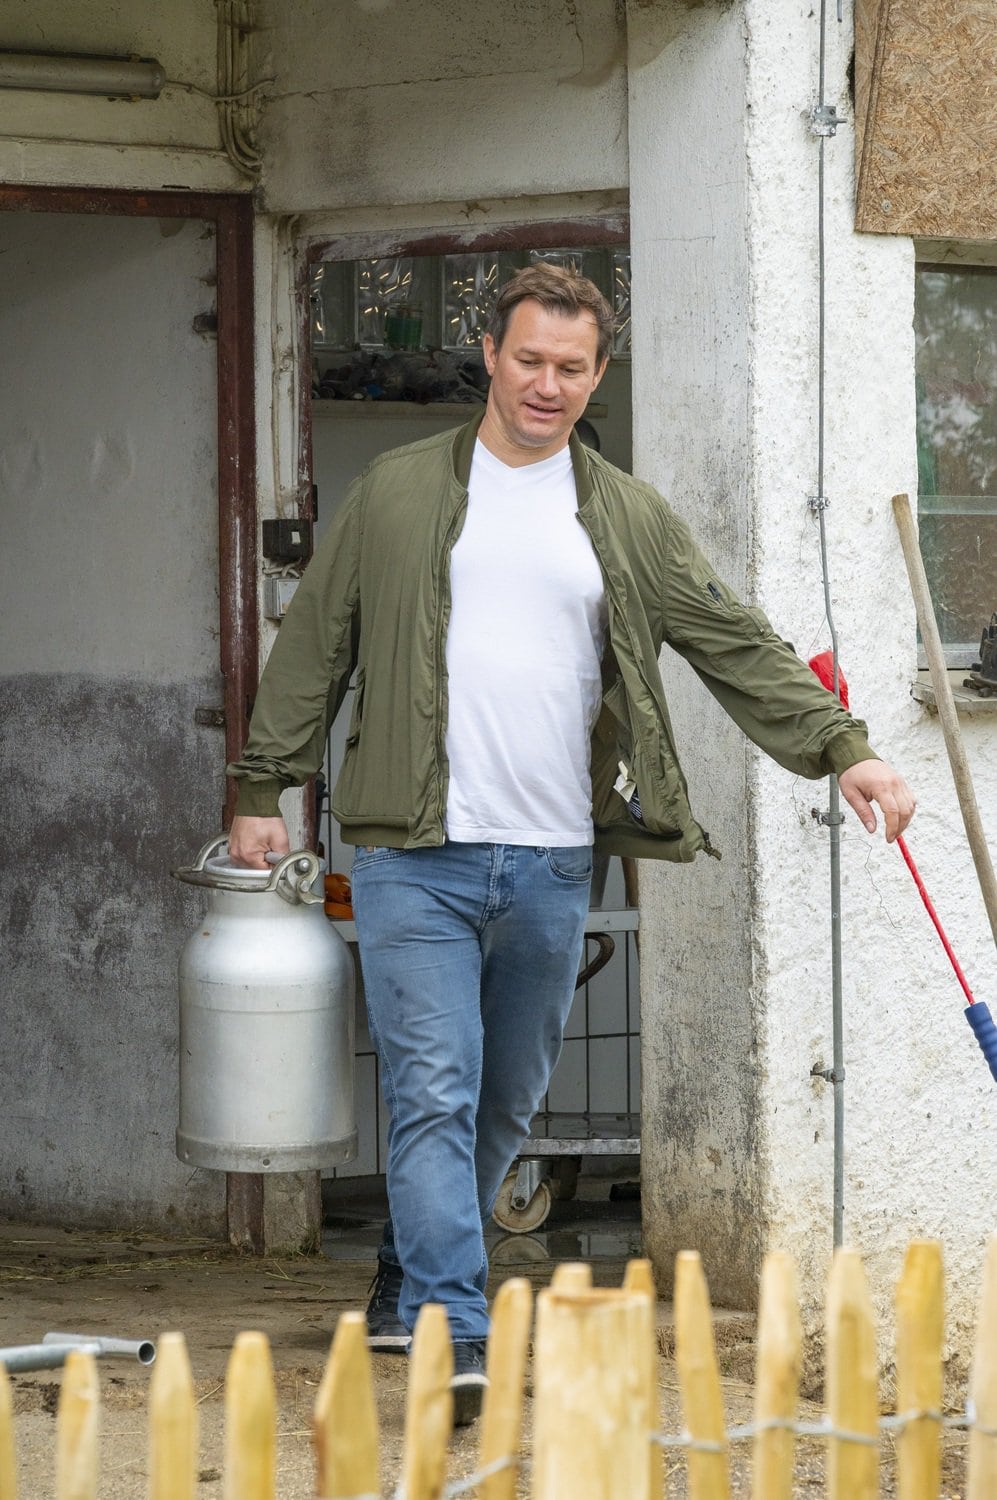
(561, 290)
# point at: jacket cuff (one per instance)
(259, 797)
(846, 750)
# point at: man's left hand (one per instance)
(870, 781)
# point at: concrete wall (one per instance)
(381, 102)
(700, 1161)
(65, 139)
(108, 583)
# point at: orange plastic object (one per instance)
(338, 898)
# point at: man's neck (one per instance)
(513, 455)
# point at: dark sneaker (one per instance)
(386, 1333)
(469, 1381)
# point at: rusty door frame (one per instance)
(232, 217)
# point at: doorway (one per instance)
(126, 487)
(395, 357)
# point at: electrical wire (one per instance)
(819, 503)
(193, 88)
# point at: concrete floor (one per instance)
(133, 1286)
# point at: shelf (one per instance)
(967, 700)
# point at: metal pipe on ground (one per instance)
(54, 1349)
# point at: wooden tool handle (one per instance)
(946, 707)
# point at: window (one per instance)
(442, 302)
(955, 323)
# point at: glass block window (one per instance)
(470, 286)
(620, 298)
(955, 324)
(442, 302)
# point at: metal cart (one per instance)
(547, 1166)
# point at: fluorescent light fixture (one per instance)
(111, 77)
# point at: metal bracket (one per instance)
(817, 503)
(824, 119)
(529, 1174)
(825, 818)
(828, 1074)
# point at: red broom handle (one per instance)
(912, 867)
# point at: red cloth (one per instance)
(823, 665)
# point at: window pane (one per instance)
(621, 303)
(956, 339)
(392, 296)
(470, 286)
(332, 312)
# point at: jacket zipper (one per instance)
(443, 608)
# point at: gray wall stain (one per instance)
(111, 787)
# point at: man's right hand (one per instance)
(251, 839)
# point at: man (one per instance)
(503, 595)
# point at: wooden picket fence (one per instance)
(595, 1399)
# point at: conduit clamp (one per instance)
(824, 119)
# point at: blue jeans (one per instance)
(470, 954)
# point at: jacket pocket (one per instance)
(660, 796)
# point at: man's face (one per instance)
(543, 377)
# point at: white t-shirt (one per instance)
(524, 647)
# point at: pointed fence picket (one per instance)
(172, 1423)
(596, 1420)
(8, 1467)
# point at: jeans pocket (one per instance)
(570, 862)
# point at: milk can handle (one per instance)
(291, 877)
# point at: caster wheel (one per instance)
(521, 1220)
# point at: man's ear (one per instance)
(600, 372)
(490, 352)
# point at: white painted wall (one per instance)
(733, 439)
(66, 139)
(921, 1129)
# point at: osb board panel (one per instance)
(926, 117)
(867, 18)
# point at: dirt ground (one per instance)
(135, 1287)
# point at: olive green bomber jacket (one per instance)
(376, 599)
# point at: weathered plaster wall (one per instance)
(736, 961)
(108, 583)
(921, 1131)
(381, 102)
(700, 1161)
(66, 139)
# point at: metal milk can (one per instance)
(266, 1022)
